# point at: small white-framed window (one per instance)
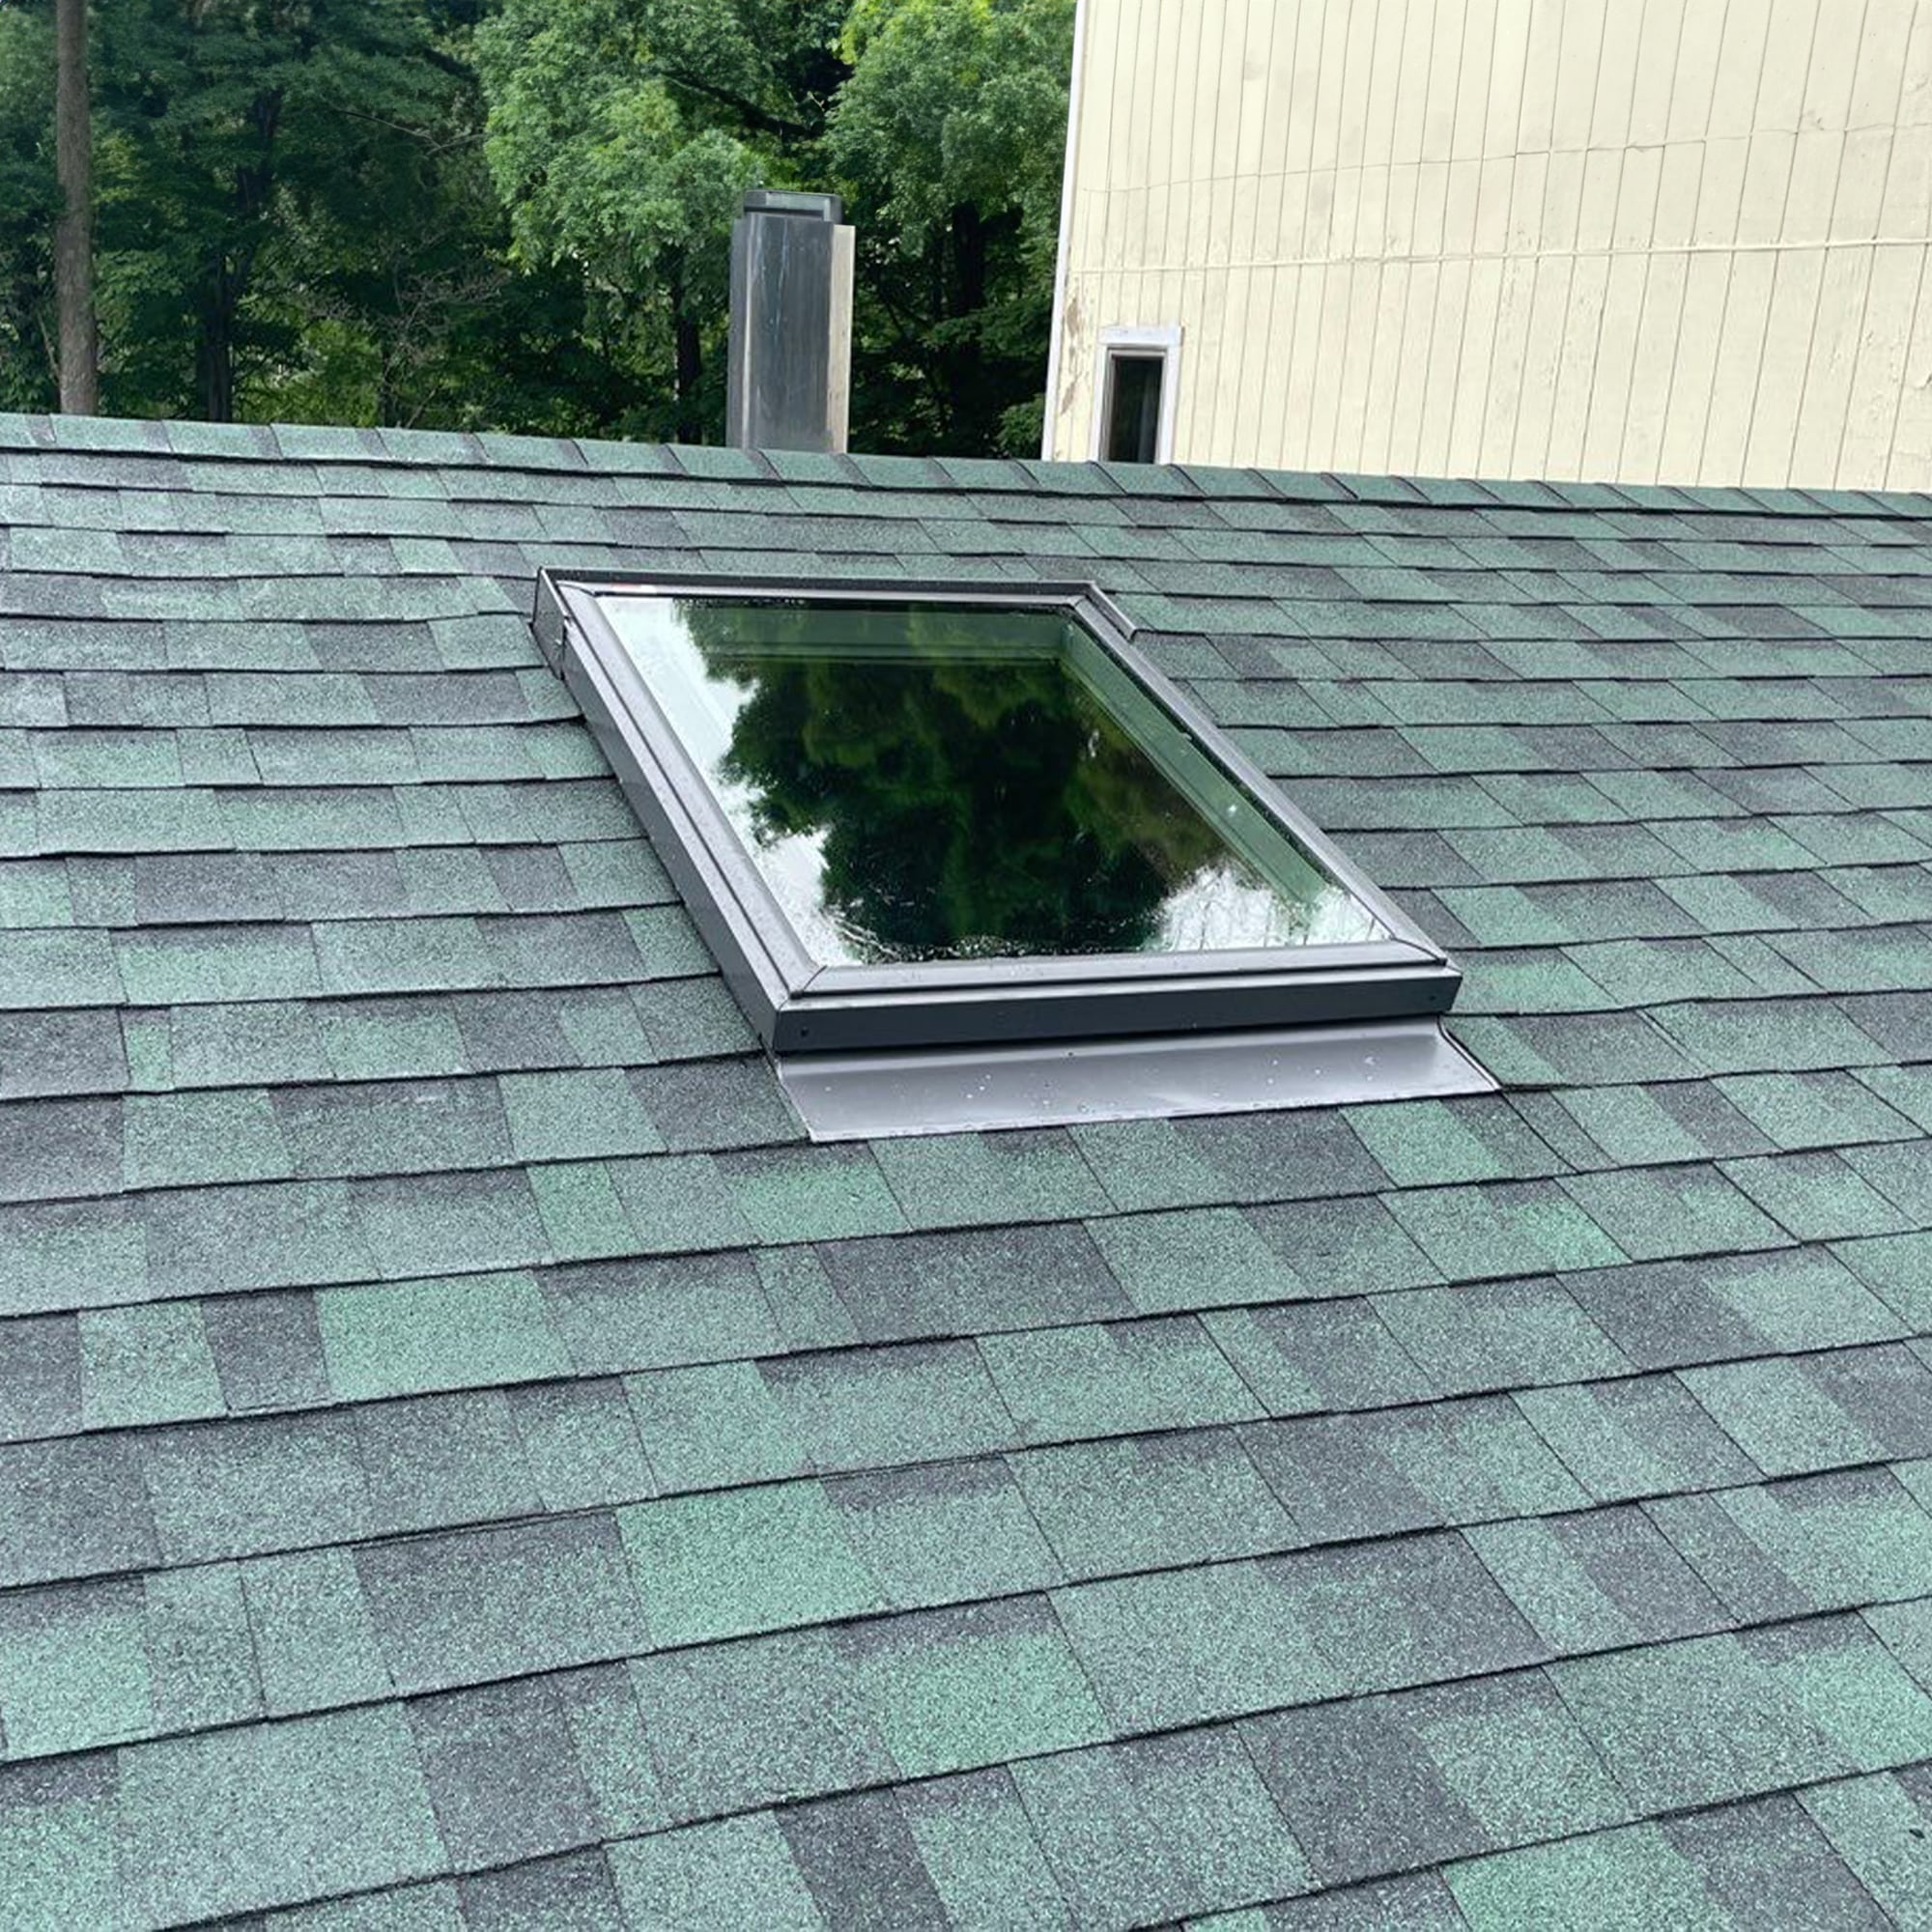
(1139, 386)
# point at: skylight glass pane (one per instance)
(932, 782)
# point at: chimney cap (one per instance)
(787, 201)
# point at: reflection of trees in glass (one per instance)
(961, 804)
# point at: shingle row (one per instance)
(1021, 1802)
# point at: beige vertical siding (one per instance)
(1678, 241)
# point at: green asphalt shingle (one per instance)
(467, 1459)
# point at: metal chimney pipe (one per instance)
(789, 380)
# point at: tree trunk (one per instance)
(230, 271)
(215, 348)
(969, 410)
(689, 365)
(74, 232)
(969, 259)
(688, 350)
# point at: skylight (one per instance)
(972, 822)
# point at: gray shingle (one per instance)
(1422, 1903)
(1149, 1501)
(1722, 1717)
(1346, 1246)
(60, 1147)
(430, 1225)
(440, 1458)
(1663, 1313)
(1817, 1543)
(1796, 1413)
(1180, 1646)
(266, 1350)
(239, 1488)
(1381, 1784)
(266, 1236)
(902, 1286)
(1598, 1579)
(39, 1376)
(1762, 1860)
(749, 1723)
(493, 1602)
(980, 1850)
(393, 1126)
(1416, 1609)
(615, 1316)
(74, 1508)
(1642, 1437)
(860, 1862)
(60, 1053)
(867, 1408)
(1349, 1476)
(944, 1533)
(575, 1890)
(1161, 1827)
(1299, 1356)
(502, 1775)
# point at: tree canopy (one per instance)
(29, 206)
(515, 213)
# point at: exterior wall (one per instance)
(1678, 241)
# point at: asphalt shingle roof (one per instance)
(468, 1461)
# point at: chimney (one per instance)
(789, 385)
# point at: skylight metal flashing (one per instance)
(965, 840)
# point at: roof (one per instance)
(470, 1458)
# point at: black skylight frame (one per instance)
(800, 1005)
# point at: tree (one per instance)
(515, 213)
(29, 209)
(73, 234)
(948, 138)
(253, 141)
(622, 134)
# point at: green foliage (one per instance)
(954, 103)
(948, 138)
(517, 212)
(29, 203)
(629, 180)
(269, 168)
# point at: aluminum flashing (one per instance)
(881, 1096)
(1380, 968)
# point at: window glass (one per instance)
(944, 783)
(1133, 407)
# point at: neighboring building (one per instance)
(1642, 240)
(469, 1461)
